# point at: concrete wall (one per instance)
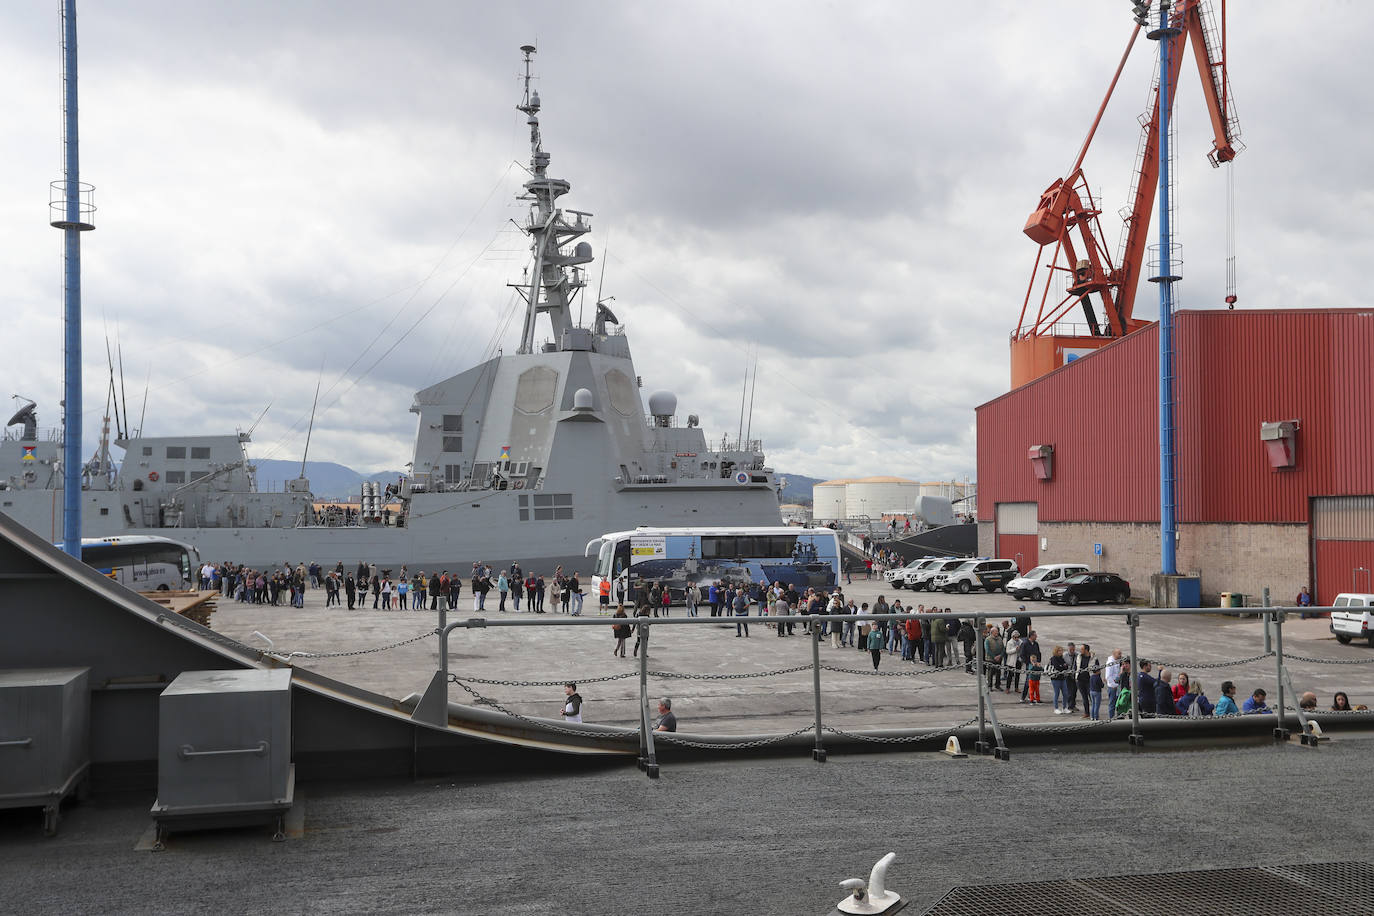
(1228, 557)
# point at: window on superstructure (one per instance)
(453, 423)
(200, 452)
(175, 476)
(176, 451)
(147, 451)
(199, 475)
(453, 473)
(453, 443)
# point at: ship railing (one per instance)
(982, 729)
(43, 434)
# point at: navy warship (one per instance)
(525, 456)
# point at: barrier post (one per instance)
(648, 761)
(443, 639)
(1136, 739)
(818, 752)
(1280, 733)
(981, 745)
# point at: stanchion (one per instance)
(818, 752)
(1280, 733)
(981, 745)
(648, 760)
(1136, 739)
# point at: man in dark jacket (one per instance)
(1164, 694)
(1030, 648)
(1145, 697)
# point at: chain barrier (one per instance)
(394, 645)
(673, 738)
(1288, 656)
(899, 739)
(907, 672)
(543, 726)
(557, 683)
(1200, 666)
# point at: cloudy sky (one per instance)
(297, 191)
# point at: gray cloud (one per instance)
(840, 187)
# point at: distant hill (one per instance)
(328, 480)
(798, 489)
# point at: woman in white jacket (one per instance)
(1012, 659)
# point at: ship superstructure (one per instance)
(525, 456)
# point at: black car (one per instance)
(1098, 586)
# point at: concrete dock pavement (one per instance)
(853, 698)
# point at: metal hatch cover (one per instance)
(1316, 889)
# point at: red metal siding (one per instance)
(1236, 370)
(1023, 548)
(1100, 414)
(1337, 568)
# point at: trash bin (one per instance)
(1225, 600)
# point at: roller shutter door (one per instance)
(1342, 546)
(1018, 530)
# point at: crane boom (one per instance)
(1068, 218)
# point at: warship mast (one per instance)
(556, 276)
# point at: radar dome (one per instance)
(662, 404)
(583, 250)
(582, 399)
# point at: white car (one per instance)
(922, 576)
(1355, 623)
(897, 577)
(1034, 583)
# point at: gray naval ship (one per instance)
(526, 456)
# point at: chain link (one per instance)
(906, 672)
(543, 726)
(899, 739)
(1199, 666)
(728, 677)
(394, 645)
(1328, 661)
(673, 738)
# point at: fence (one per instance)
(990, 732)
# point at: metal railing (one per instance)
(433, 707)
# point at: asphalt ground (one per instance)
(851, 698)
(723, 837)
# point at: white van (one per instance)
(1355, 623)
(1033, 584)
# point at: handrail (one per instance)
(811, 625)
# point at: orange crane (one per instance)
(1067, 221)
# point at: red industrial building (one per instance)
(1275, 456)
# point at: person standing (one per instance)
(621, 632)
(540, 586)
(994, 652)
(350, 590)
(967, 636)
(517, 586)
(1083, 679)
(1071, 678)
(572, 700)
(1030, 646)
(556, 592)
(605, 594)
(1111, 679)
(875, 644)
(1012, 659)
(502, 589)
(742, 612)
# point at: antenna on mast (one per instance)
(311, 428)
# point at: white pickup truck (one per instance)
(1356, 621)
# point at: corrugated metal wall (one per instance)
(1099, 413)
(1236, 371)
(1342, 566)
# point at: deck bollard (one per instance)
(818, 752)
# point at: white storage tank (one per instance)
(828, 500)
(876, 497)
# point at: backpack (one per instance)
(1194, 708)
(1123, 702)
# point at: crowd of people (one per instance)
(1081, 682)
